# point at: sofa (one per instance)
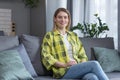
(28, 47)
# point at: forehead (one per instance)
(62, 13)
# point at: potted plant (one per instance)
(92, 29)
(31, 3)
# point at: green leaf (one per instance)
(92, 29)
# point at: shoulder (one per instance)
(48, 35)
(72, 33)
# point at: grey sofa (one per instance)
(89, 43)
(32, 46)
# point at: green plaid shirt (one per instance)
(53, 50)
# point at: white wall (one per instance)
(20, 15)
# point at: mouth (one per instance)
(63, 23)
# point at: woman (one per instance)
(63, 52)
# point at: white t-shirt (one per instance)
(68, 46)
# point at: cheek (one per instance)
(67, 21)
(56, 20)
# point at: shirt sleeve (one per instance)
(81, 51)
(47, 57)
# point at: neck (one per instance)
(62, 31)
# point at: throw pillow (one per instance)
(109, 59)
(26, 60)
(12, 67)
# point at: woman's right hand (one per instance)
(70, 63)
(64, 65)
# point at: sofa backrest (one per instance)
(89, 43)
(33, 45)
(7, 42)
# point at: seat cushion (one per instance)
(113, 75)
(50, 78)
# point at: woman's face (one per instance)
(61, 20)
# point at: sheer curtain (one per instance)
(106, 9)
(78, 14)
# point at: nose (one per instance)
(62, 19)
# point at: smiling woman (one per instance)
(63, 53)
(61, 21)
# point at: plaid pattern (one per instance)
(53, 50)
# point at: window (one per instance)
(5, 21)
(106, 9)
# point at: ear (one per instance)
(54, 19)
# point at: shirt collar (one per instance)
(56, 32)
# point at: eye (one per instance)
(65, 17)
(59, 17)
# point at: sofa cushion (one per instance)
(7, 42)
(32, 45)
(113, 75)
(89, 43)
(109, 59)
(26, 60)
(12, 67)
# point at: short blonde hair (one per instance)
(56, 13)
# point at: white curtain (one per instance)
(78, 11)
(106, 9)
(78, 14)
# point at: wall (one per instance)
(20, 15)
(38, 19)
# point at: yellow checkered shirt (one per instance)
(53, 50)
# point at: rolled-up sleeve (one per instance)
(81, 52)
(47, 57)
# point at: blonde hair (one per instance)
(56, 13)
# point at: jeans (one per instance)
(90, 70)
